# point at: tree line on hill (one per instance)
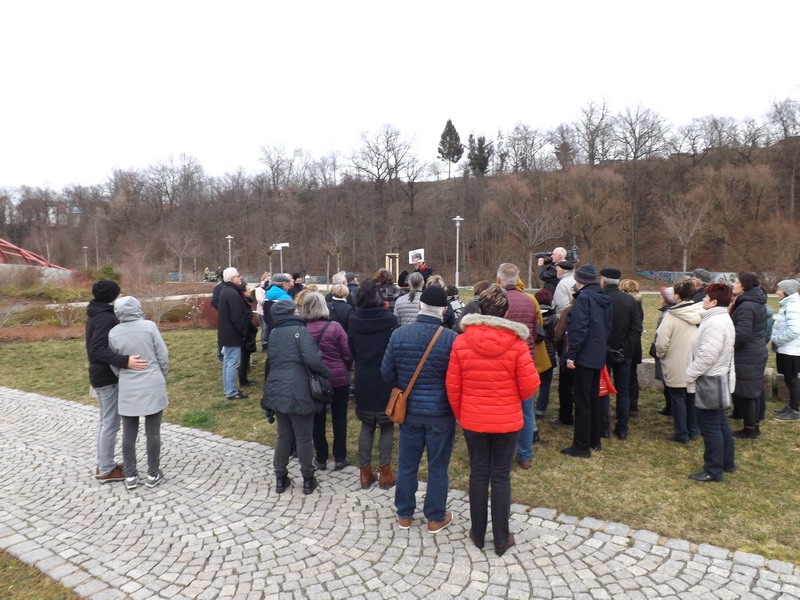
(627, 188)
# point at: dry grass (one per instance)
(641, 482)
(18, 581)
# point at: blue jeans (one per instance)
(719, 448)
(684, 416)
(414, 439)
(622, 381)
(107, 427)
(231, 357)
(525, 443)
(543, 399)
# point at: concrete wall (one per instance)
(46, 274)
(773, 383)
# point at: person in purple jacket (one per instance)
(332, 342)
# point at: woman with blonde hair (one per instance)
(630, 286)
(339, 305)
(331, 339)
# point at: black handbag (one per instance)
(320, 387)
(711, 392)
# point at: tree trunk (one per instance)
(685, 258)
(530, 268)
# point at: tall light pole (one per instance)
(86, 258)
(457, 220)
(230, 239)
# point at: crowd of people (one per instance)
(477, 364)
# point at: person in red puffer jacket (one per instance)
(490, 374)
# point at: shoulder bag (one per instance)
(711, 392)
(398, 400)
(320, 387)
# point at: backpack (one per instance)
(457, 305)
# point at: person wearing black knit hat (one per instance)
(101, 319)
(588, 330)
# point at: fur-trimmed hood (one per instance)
(492, 336)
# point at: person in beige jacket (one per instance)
(673, 342)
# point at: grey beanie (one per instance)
(789, 286)
(702, 275)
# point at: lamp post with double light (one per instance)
(230, 239)
(458, 219)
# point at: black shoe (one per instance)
(559, 422)
(476, 540)
(536, 438)
(309, 484)
(341, 464)
(665, 412)
(604, 435)
(621, 436)
(731, 471)
(702, 477)
(283, 484)
(674, 438)
(576, 452)
(747, 434)
(598, 446)
(320, 465)
(236, 396)
(248, 384)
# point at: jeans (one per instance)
(366, 439)
(684, 417)
(107, 427)
(719, 455)
(339, 422)
(490, 457)
(152, 431)
(414, 439)
(585, 390)
(294, 429)
(231, 357)
(622, 381)
(543, 399)
(525, 443)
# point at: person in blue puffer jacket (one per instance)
(429, 422)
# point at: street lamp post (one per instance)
(230, 239)
(280, 248)
(457, 220)
(86, 258)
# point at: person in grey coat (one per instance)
(287, 392)
(141, 393)
(406, 308)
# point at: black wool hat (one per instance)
(611, 273)
(105, 290)
(434, 295)
(566, 265)
(586, 274)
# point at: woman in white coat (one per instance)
(786, 341)
(141, 393)
(711, 375)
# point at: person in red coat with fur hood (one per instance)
(491, 373)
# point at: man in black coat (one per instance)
(101, 319)
(626, 328)
(233, 325)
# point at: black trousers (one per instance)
(339, 422)
(490, 458)
(585, 395)
(565, 405)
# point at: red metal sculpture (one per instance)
(8, 250)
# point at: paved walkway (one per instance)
(216, 529)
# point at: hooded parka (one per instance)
(144, 392)
(674, 341)
(750, 351)
(369, 330)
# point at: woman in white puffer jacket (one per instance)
(711, 362)
(786, 340)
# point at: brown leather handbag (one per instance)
(398, 400)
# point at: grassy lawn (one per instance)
(18, 581)
(641, 482)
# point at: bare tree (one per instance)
(641, 133)
(595, 132)
(686, 218)
(182, 243)
(382, 156)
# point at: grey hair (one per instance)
(314, 307)
(508, 273)
(416, 281)
(339, 277)
(561, 252)
(609, 280)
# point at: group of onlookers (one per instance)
(477, 364)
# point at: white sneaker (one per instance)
(131, 483)
(154, 480)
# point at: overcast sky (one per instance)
(90, 86)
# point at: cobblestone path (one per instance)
(216, 529)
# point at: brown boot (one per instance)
(368, 477)
(387, 477)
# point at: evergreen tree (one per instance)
(480, 155)
(450, 147)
